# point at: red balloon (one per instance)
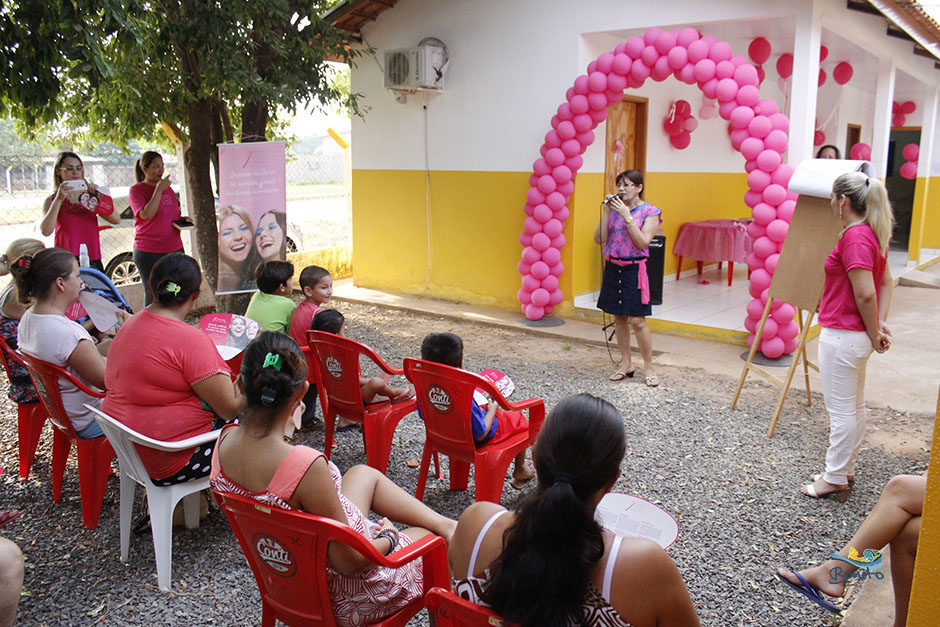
(683, 108)
(842, 73)
(898, 119)
(909, 170)
(823, 53)
(760, 74)
(908, 107)
(682, 141)
(785, 65)
(911, 152)
(822, 77)
(673, 126)
(759, 50)
(819, 138)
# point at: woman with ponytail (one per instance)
(11, 310)
(155, 208)
(255, 459)
(550, 563)
(165, 378)
(852, 314)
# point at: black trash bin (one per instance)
(654, 268)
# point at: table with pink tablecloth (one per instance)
(711, 241)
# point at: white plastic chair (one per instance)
(161, 501)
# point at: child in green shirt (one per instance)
(271, 307)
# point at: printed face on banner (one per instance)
(252, 212)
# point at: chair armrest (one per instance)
(84, 388)
(381, 363)
(420, 548)
(178, 445)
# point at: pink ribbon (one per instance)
(642, 277)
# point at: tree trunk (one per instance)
(254, 121)
(197, 178)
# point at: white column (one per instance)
(804, 82)
(881, 128)
(928, 132)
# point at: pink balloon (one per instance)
(530, 281)
(764, 214)
(547, 184)
(748, 95)
(785, 210)
(570, 147)
(649, 56)
(635, 47)
(678, 57)
(710, 88)
(561, 174)
(581, 123)
(741, 116)
(756, 231)
(769, 160)
(784, 314)
(640, 71)
(558, 269)
(738, 137)
(574, 164)
(750, 165)
(581, 85)
(698, 50)
(725, 109)
(540, 297)
(524, 269)
(766, 107)
(616, 82)
(551, 256)
(751, 198)
(539, 270)
(534, 196)
(552, 140)
(597, 81)
(554, 157)
(724, 69)
(687, 36)
(760, 126)
(785, 65)
(598, 116)
(760, 279)
(780, 122)
(555, 201)
(911, 152)
(908, 107)
(541, 167)
(772, 348)
(751, 147)
(746, 75)
(788, 330)
(542, 214)
(550, 282)
(528, 208)
(566, 188)
(687, 74)
(524, 295)
(565, 130)
(691, 124)
(777, 230)
(789, 346)
(726, 89)
(585, 138)
(605, 62)
(775, 140)
(763, 246)
(757, 181)
(553, 228)
(754, 309)
(759, 50)
(665, 42)
(909, 170)
(596, 101)
(558, 242)
(541, 241)
(842, 73)
(530, 255)
(661, 69)
(562, 214)
(621, 65)
(774, 194)
(770, 325)
(556, 297)
(525, 239)
(753, 289)
(751, 325)
(649, 37)
(719, 51)
(765, 296)
(578, 104)
(534, 312)
(564, 111)
(771, 262)
(855, 151)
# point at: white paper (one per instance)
(814, 177)
(103, 313)
(630, 516)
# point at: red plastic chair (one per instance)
(444, 395)
(30, 417)
(94, 455)
(313, 375)
(287, 552)
(446, 609)
(338, 363)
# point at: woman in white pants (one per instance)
(853, 310)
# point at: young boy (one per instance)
(489, 423)
(317, 286)
(271, 307)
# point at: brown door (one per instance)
(626, 140)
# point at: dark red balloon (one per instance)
(759, 50)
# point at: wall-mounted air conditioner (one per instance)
(411, 69)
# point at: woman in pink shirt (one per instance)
(852, 314)
(74, 223)
(155, 207)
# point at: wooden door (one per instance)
(625, 147)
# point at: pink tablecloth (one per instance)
(714, 240)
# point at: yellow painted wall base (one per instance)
(931, 215)
(337, 260)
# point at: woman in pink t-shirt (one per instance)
(155, 208)
(852, 314)
(75, 223)
(165, 378)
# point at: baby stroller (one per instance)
(97, 282)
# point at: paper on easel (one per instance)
(814, 177)
(103, 313)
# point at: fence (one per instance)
(317, 200)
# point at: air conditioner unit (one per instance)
(410, 69)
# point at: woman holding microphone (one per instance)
(627, 225)
(75, 223)
(155, 208)
(854, 307)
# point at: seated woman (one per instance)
(254, 460)
(11, 310)
(51, 279)
(165, 378)
(550, 563)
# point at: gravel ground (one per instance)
(732, 490)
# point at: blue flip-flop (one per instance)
(809, 592)
(351, 427)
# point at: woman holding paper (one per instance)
(549, 562)
(852, 314)
(74, 223)
(627, 226)
(165, 378)
(155, 208)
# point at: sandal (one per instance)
(818, 476)
(8, 515)
(407, 395)
(842, 494)
(620, 375)
(652, 381)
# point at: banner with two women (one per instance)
(252, 211)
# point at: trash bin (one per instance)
(654, 268)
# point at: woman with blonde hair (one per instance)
(854, 307)
(237, 258)
(11, 310)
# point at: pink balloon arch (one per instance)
(757, 129)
